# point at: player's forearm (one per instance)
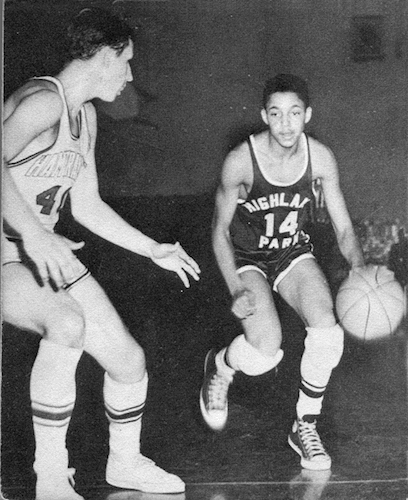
(350, 248)
(102, 220)
(17, 214)
(224, 255)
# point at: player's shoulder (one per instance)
(322, 157)
(237, 165)
(239, 152)
(36, 95)
(319, 150)
(238, 160)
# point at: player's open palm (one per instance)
(53, 256)
(174, 258)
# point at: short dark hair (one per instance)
(286, 83)
(95, 28)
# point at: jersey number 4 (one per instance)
(47, 199)
(289, 225)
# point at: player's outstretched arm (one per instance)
(98, 217)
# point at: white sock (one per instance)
(53, 393)
(124, 405)
(323, 350)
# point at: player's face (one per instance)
(286, 116)
(117, 72)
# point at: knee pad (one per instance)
(243, 356)
(323, 351)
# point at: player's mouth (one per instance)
(287, 137)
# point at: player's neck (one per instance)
(78, 87)
(281, 152)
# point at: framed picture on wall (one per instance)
(367, 38)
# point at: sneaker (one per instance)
(305, 440)
(143, 475)
(56, 488)
(214, 393)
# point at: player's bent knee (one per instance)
(67, 329)
(244, 357)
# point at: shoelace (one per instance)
(311, 439)
(218, 390)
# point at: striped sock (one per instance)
(53, 393)
(124, 406)
(310, 399)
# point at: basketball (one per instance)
(370, 303)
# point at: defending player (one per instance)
(49, 140)
(259, 241)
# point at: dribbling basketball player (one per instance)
(260, 243)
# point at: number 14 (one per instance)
(289, 225)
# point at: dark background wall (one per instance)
(199, 68)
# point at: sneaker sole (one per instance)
(308, 464)
(132, 485)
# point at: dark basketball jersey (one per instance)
(272, 218)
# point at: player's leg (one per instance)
(58, 318)
(305, 288)
(254, 352)
(125, 390)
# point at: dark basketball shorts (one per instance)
(273, 266)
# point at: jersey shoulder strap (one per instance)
(257, 174)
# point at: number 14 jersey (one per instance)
(273, 216)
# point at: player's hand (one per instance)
(53, 256)
(174, 258)
(243, 304)
(360, 267)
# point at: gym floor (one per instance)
(363, 424)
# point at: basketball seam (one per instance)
(352, 305)
(365, 295)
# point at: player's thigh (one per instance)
(107, 339)
(306, 290)
(41, 309)
(264, 323)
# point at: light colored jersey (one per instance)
(45, 177)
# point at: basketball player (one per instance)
(49, 141)
(262, 205)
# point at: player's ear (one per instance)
(308, 114)
(105, 54)
(264, 116)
